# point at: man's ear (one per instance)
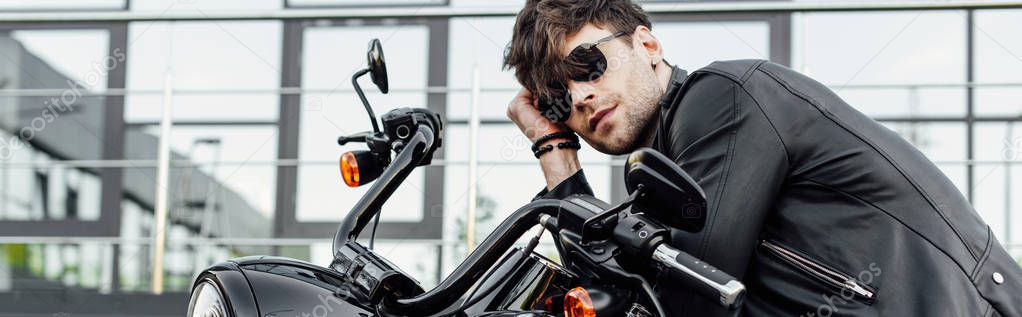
(644, 39)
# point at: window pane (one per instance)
(331, 54)
(78, 55)
(339, 3)
(480, 42)
(61, 5)
(998, 141)
(998, 47)
(32, 187)
(220, 177)
(730, 40)
(992, 200)
(209, 6)
(200, 202)
(998, 101)
(72, 63)
(238, 158)
(488, 3)
(999, 150)
(246, 57)
(894, 50)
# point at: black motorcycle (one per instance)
(608, 253)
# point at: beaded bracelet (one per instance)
(550, 147)
(557, 135)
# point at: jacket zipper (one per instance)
(821, 272)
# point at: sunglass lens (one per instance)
(591, 62)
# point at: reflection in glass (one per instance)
(32, 188)
(38, 129)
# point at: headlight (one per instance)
(207, 301)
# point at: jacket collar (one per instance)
(671, 97)
(678, 77)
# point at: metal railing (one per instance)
(59, 259)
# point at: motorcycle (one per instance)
(608, 253)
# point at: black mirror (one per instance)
(668, 193)
(377, 67)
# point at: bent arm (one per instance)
(720, 136)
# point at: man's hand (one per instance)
(558, 164)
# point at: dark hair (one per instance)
(542, 27)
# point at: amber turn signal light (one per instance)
(349, 169)
(578, 304)
(359, 168)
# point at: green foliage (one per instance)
(16, 256)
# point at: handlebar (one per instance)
(477, 263)
(369, 205)
(641, 237)
(703, 277)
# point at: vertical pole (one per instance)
(913, 111)
(1007, 187)
(473, 163)
(288, 120)
(112, 188)
(970, 118)
(5, 172)
(162, 175)
(439, 262)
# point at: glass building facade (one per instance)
(258, 105)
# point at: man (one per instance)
(820, 210)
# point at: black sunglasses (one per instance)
(592, 61)
(590, 64)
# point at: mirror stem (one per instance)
(362, 96)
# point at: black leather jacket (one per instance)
(820, 210)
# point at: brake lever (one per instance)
(600, 225)
(639, 236)
(360, 137)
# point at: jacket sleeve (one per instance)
(721, 137)
(575, 184)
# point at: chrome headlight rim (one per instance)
(207, 300)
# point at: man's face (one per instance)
(614, 113)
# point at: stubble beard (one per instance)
(639, 124)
